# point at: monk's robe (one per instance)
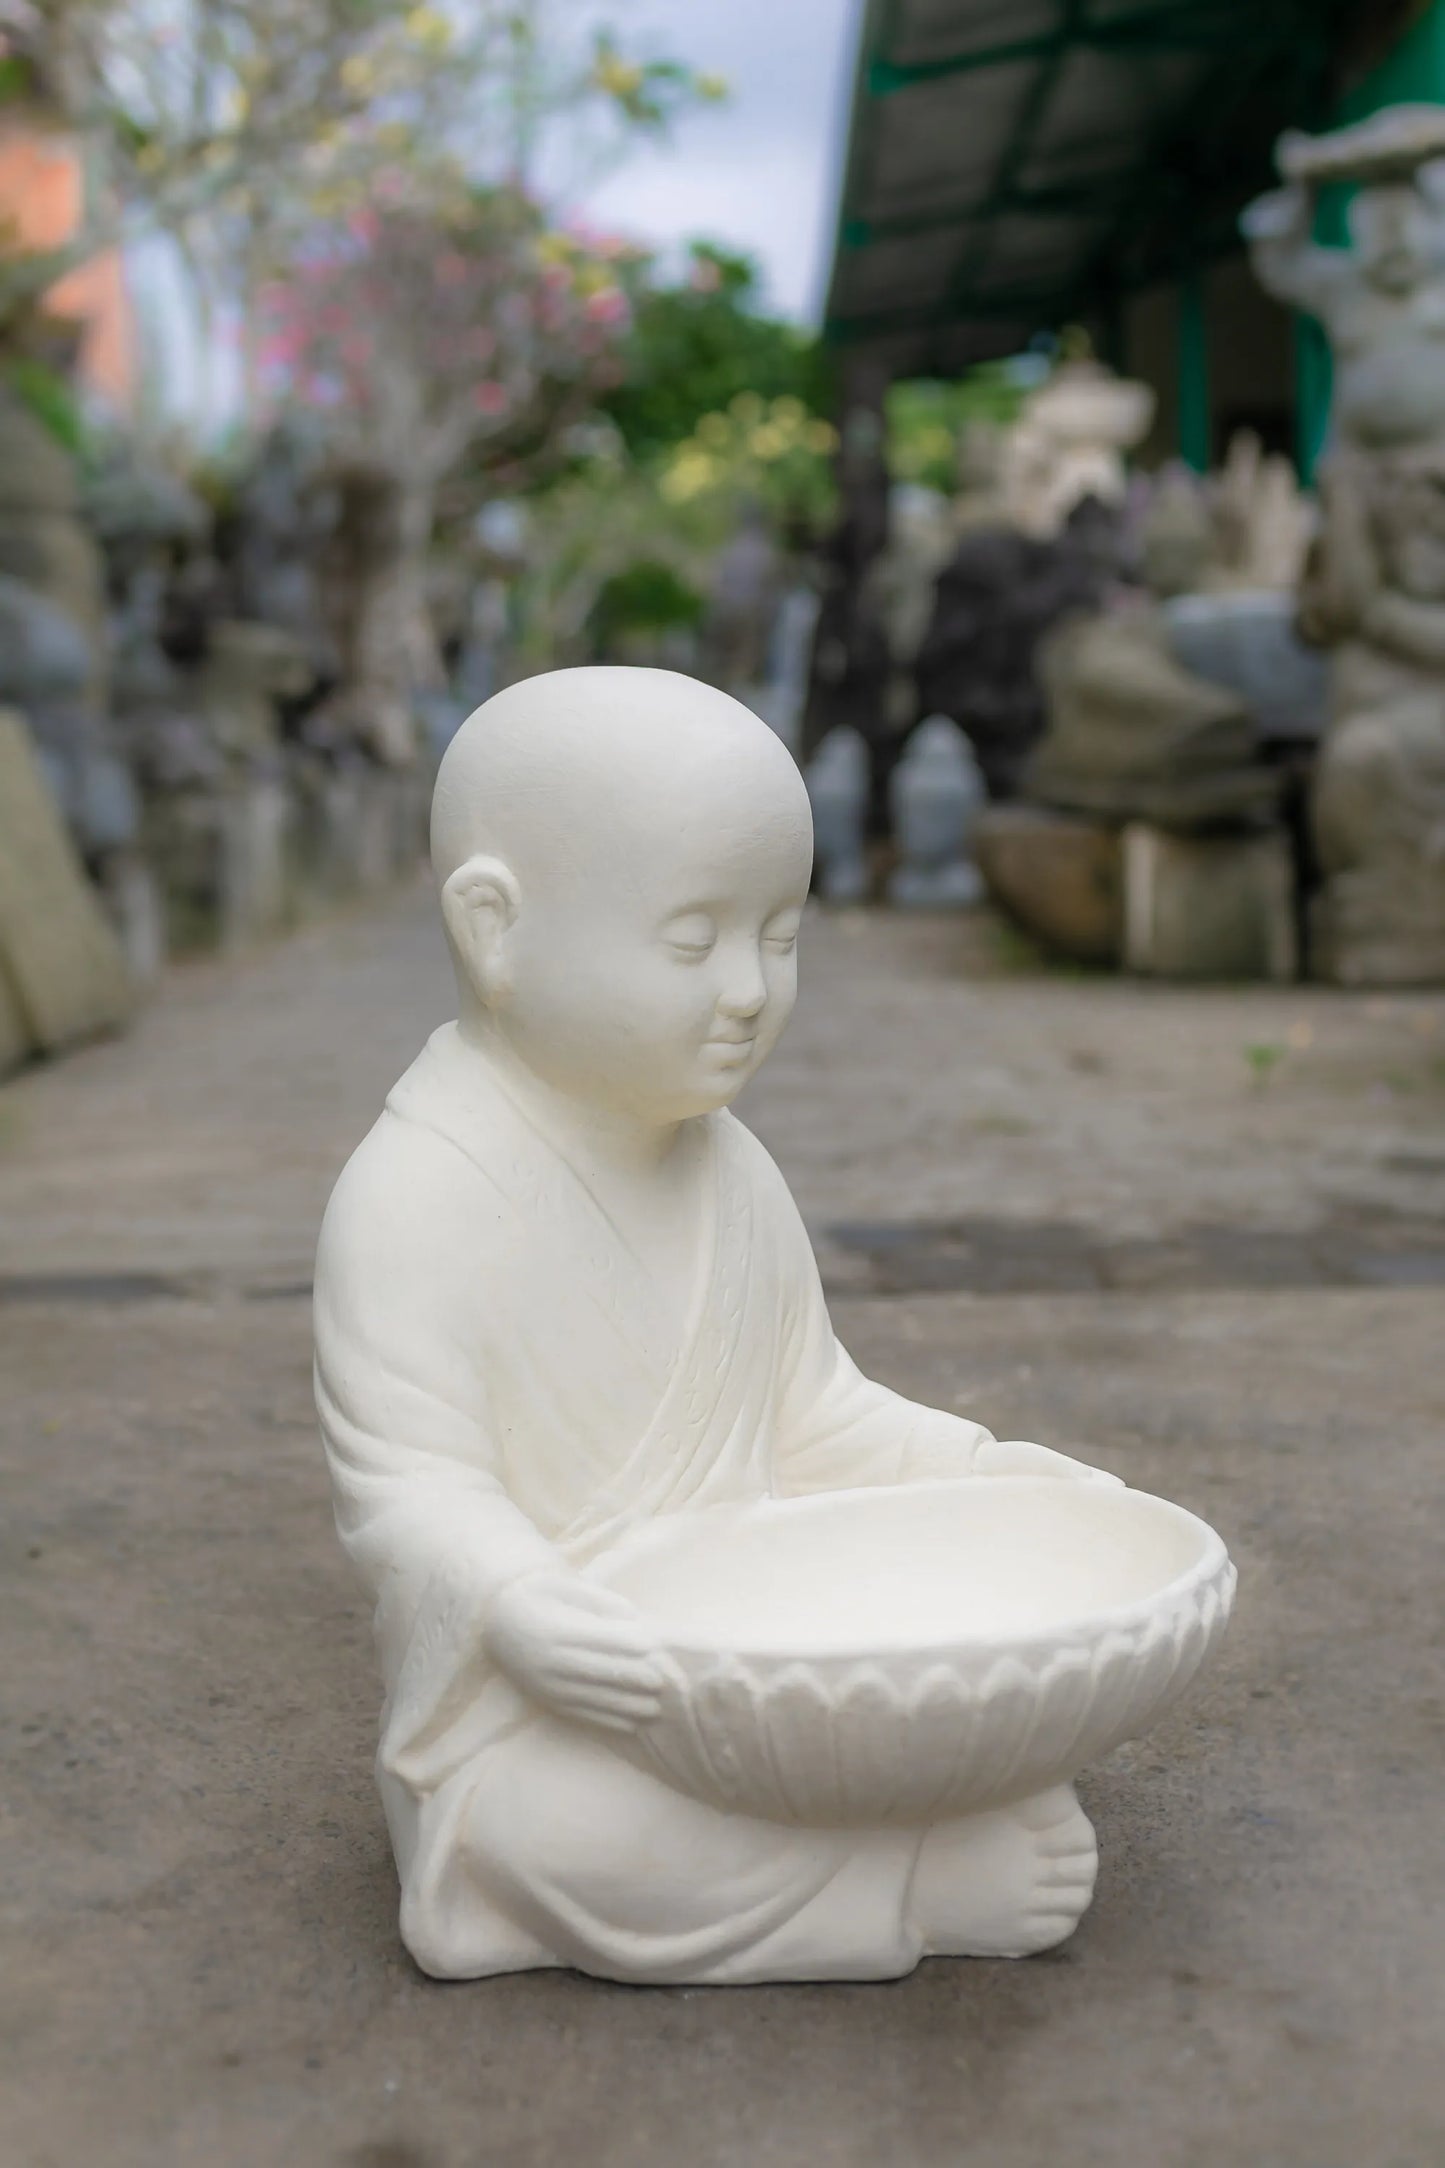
(492, 1401)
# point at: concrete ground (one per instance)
(1197, 1236)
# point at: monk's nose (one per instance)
(743, 998)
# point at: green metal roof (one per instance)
(1017, 164)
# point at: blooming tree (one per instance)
(237, 125)
(433, 336)
(437, 341)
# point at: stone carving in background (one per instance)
(995, 598)
(1132, 736)
(742, 605)
(1220, 557)
(1261, 519)
(977, 502)
(898, 595)
(55, 668)
(837, 779)
(284, 516)
(62, 974)
(1247, 641)
(370, 613)
(1176, 542)
(1069, 443)
(1374, 589)
(935, 793)
(782, 696)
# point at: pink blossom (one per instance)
(364, 226)
(282, 348)
(607, 307)
(490, 397)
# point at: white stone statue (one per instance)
(1373, 590)
(706, 1658)
(1069, 443)
(1382, 300)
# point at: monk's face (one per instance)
(653, 964)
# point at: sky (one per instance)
(759, 172)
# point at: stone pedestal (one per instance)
(1390, 933)
(1057, 876)
(1209, 907)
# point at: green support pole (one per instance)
(1195, 423)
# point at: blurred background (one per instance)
(904, 370)
(1033, 409)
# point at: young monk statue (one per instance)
(561, 1290)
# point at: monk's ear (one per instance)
(480, 902)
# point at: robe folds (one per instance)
(491, 1401)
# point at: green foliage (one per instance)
(16, 79)
(696, 347)
(772, 454)
(647, 596)
(49, 399)
(926, 419)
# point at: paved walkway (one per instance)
(202, 1965)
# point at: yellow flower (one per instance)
(712, 88)
(358, 74)
(821, 437)
(767, 441)
(429, 28)
(691, 472)
(713, 430)
(619, 78)
(747, 408)
(788, 412)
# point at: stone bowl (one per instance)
(901, 1656)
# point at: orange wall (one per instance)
(41, 200)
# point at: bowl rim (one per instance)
(1212, 1567)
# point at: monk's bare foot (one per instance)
(1005, 1884)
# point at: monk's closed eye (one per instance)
(782, 935)
(691, 938)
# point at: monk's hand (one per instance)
(581, 1651)
(1014, 1456)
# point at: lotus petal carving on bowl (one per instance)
(905, 1656)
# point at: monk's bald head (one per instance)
(582, 764)
(623, 858)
